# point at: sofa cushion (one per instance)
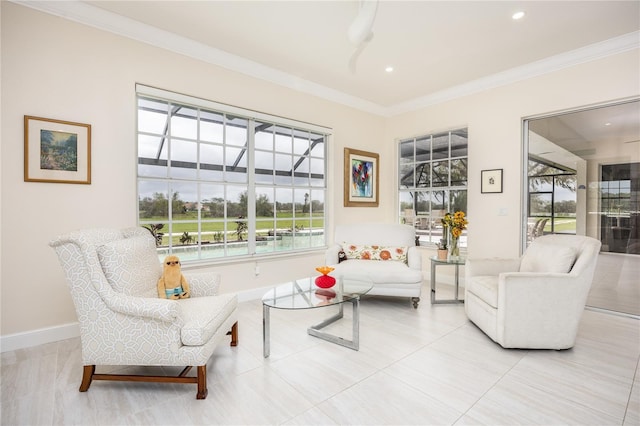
(131, 266)
(379, 272)
(485, 287)
(540, 257)
(203, 316)
(375, 252)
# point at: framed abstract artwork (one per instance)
(491, 181)
(361, 170)
(56, 151)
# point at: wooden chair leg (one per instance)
(202, 382)
(234, 334)
(87, 377)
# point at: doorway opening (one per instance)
(583, 177)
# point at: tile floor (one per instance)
(425, 366)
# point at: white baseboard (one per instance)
(27, 339)
(253, 294)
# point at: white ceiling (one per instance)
(437, 48)
(588, 134)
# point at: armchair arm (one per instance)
(158, 309)
(203, 283)
(331, 255)
(414, 258)
(540, 292)
(535, 305)
(495, 266)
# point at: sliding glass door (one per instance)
(619, 201)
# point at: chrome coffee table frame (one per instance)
(304, 294)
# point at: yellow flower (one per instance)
(456, 223)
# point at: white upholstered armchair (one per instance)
(535, 301)
(112, 275)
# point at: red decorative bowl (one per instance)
(325, 281)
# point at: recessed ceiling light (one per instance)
(607, 124)
(517, 15)
(389, 69)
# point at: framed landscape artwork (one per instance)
(491, 181)
(56, 151)
(361, 171)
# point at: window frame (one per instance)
(427, 189)
(314, 185)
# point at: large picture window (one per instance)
(216, 181)
(432, 181)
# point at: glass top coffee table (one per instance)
(304, 294)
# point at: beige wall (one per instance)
(58, 69)
(495, 136)
(54, 68)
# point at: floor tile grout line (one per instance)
(425, 346)
(491, 387)
(633, 384)
(580, 403)
(382, 370)
(611, 312)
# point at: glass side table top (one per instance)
(453, 261)
(304, 294)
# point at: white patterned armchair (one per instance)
(112, 275)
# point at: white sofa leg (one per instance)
(415, 301)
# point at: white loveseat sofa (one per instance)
(382, 252)
(535, 301)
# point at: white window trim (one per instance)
(175, 97)
(227, 109)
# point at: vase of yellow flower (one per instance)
(453, 225)
(454, 248)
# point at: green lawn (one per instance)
(264, 225)
(562, 224)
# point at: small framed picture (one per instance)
(360, 178)
(56, 151)
(491, 181)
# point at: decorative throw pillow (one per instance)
(131, 266)
(375, 252)
(541, 257)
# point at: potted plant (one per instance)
(442, 249)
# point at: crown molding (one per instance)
(551, 64)
(104, 20)
(89, 15)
